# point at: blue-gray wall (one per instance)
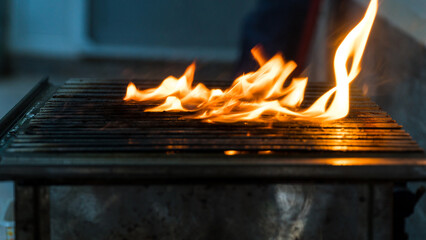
(171, 23)
(3, 5)
(178, 29)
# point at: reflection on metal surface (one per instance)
(231, 152)
(374, 161)
(265, 152)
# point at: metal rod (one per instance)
(20, 109)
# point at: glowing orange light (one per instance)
(261, 95)
(231, 152)
(265, 152)
(342, 162)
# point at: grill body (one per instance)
(84, 130)
(83, 133)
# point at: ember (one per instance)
(261, 95)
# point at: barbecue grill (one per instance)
(84, 133)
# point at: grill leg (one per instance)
(32, 217)
(381, 211)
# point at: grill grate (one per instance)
(89, 115)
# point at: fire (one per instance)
(261, 95)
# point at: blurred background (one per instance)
(155, 39)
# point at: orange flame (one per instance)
(261, 95)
